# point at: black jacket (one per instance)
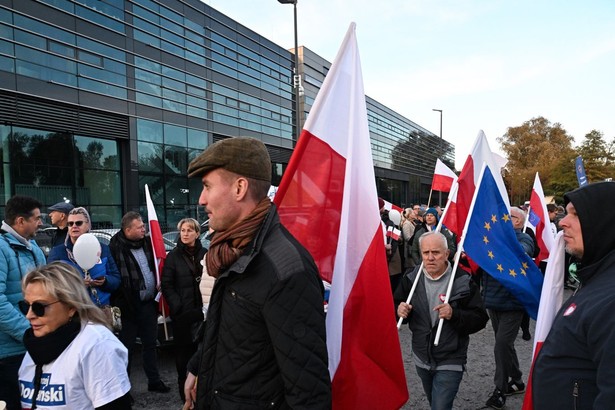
(264, 343)
(469, 316)
(180, 286)
(575, 369)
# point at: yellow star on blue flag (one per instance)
(494, 246)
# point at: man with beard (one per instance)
(574, 369)
(264, 344)
(19, 254)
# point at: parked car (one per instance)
(104, 236)
(43, 238)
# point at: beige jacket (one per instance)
(206, 285)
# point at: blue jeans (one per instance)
(440, 386)
(9, 382)
(144, 325)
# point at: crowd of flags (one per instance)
(327, 202)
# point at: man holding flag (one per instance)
(440, 367)
(134, 257)
(575, 367)
(264, 344)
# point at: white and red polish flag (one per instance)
(443, 177)
(551, 299)
(459, 206)
(155, 234)
(327, 199)
(539, 219)
(389, 206)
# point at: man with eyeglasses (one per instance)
(19, 254)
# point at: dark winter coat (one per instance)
(265, 343)
(106, 268)
(575, 367)
(469, 316)
(180, 286)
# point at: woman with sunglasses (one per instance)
(102, 279)
(73, 361)
(180, 286)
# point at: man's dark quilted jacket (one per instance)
(264, 344)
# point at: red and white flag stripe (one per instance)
(551, 299)
(544, 235)
(389, 206)
(328, 200)
(459, 206)
(155, 233)
(443, 177)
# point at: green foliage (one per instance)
(538, 146)
(597, 157)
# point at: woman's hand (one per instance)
(97, 282)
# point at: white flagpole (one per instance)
(459, 250)
(438, 228)
(150, 204)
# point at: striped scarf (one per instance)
(227, 246)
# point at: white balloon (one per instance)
(87, 251)
(395, 216)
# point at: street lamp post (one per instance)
(296, 77)
(440, 111)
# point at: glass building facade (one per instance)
(100, 97)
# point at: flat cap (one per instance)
(63, 207)
(244, 156)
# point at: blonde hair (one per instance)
(193, 223)
(65, 284)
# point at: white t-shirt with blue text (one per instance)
(89, 373)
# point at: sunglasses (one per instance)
(38, 308)
(76, 223)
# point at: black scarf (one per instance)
(132, 277)
(46, 349)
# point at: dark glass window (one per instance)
(149, 131)
(97, 153)
(150, 157)
(175, 135)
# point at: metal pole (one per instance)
(297, 79)
(440, 111)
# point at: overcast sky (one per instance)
(487, 64)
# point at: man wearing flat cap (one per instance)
(264, 343)
(59, 218)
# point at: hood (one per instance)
(594, 206)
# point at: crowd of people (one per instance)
(578, 363)
(247, 308)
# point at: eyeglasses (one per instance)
(76, 223)
(38, 308)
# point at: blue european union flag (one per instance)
(492, 243)
(533, 218)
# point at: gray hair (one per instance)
(440, 235)
(82, 211)
(64, 283)
(515, 210)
